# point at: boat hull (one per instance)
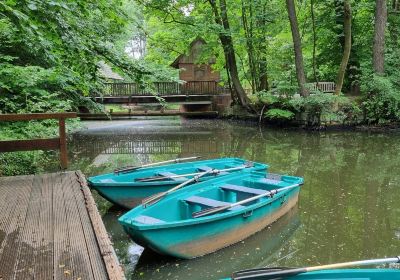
(347, 274)
(189, 241)
(125, 192)
(350, 274)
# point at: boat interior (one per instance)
(229, 191)
(185, 169)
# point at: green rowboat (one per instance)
(226, 209)
(128, 189)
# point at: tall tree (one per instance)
(221, 18)
(378, 60)
(298, 53)
(314, 31)
(347, 46)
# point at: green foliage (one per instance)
(43, 62)
(279, 114)
(382, 103)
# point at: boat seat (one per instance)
(148, 220)
(207, 168)
(242, 189)
(169, 174)
(208, 202)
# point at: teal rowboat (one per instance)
(344, 274)
(328, 271)
(127, 189)
(350, 274)
(168, 226)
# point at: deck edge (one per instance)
(113, 267)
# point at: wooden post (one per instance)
(63, 144)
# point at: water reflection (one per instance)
(348, 206)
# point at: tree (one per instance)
(221, 18)
(347, 46)
(378, 60)
(298, 53)
(314, 31)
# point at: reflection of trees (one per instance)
(349, 203)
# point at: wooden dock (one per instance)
(50, 229)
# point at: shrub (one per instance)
(279, 114)
(382, 100)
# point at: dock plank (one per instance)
(17, 209)
(49, 231)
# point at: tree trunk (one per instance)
(298, 54)
(248, 31)
(263, 62)
(378, 60)
(229, 51)
(314, 58)
(347, 47)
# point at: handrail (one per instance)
(59, 143)
(164, 88)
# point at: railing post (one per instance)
(63, 144)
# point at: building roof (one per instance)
(194, 52)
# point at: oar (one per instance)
(217, 209)
(279, 273)
(133, 168)
(158, 196)
(214, 172)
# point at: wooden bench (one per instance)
(143, 219)
(242, 189)
(208, 202)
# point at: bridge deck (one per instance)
(50, 229)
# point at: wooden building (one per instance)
(190, 70)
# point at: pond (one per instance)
(348, 207)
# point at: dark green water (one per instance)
(349, 206)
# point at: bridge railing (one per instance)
(164, 88)
(326, 87)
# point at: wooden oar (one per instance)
(133, 168)
(158, 196)
(214, 210)
(214, 172)
(279, 273)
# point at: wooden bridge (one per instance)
(189, 93)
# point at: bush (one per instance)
(279, 114)
(382, 100)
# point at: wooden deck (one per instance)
(50, 229)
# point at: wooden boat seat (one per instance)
(208, 202)
(207, 168)
(148, 220)
(169, 174)
(242, 189)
